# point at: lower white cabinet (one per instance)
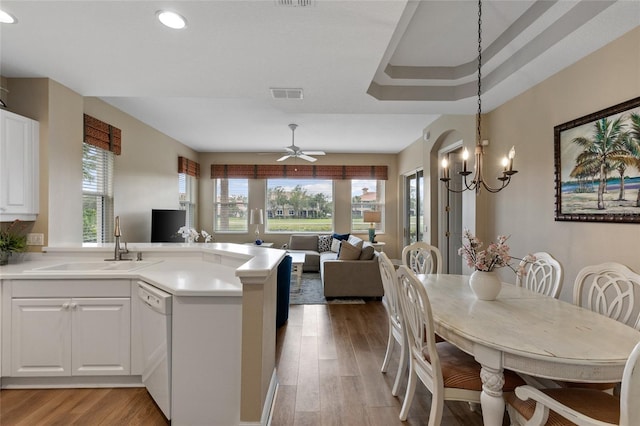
(70, 336)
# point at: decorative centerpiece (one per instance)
(484, 281)
(190, 235)
(12, 240)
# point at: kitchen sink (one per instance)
(104, 266)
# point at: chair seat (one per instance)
(460, 370)
(593, 403)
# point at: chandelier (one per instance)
(478, 182)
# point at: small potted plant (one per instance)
(12, 240)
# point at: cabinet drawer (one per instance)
(71, 288)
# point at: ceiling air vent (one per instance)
(279, 93)
(295, 3)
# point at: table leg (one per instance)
(491, 397)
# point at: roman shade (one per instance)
(188, 167)
(102, 135)
(264, 171)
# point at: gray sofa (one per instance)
(340, 278)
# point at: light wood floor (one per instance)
(328, 362)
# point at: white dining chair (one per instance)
(544, 275)
(422, 258)
(448, 372)
(610, 289)
(396, 329)
(536, 407)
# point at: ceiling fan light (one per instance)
(171, 19)
(6, 18)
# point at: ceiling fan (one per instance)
(292, 151)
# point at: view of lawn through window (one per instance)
(366, 195)
(299, 205)
(97, 195)
(231, 197)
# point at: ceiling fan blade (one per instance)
(306, 157)
(314, 152)
(283, 158)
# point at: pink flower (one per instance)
(496, 255)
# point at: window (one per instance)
(187, 189)
(299, 205)
(230, 205)
(366, 195)
(97, 195)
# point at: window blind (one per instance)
(264, 171)
(102, 135)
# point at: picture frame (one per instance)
(597, 166)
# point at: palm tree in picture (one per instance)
(632, 145)
(602, 152)
(634, 135)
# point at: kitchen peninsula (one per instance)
(223, 323)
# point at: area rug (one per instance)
(310, 292)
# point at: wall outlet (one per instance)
(35, 239)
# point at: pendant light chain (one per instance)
(479, 118)
(477, 180)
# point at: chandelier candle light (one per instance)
(478, 182)
(256, 218)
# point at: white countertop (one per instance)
(213, 269)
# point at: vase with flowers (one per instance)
(484, 281)
(12, 240)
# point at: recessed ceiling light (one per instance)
(6, 18)
(171, 19)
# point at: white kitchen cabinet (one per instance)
(66, 328)
(19, 167)
(78, 336)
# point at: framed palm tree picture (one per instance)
(597, 166)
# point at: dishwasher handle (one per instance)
(154, 298)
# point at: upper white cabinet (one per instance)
(19, 166)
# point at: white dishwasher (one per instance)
(156, 344)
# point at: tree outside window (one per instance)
(299, 205)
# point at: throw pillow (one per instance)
(349, 252)
(353, 240)
(335, 245)
(324, 243)
(367, 253)
(341, 236)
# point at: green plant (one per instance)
(12, 238)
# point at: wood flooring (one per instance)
(328, 361)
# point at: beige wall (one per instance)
(342, 195)
(525, 210)
(146, 173)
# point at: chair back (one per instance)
(630, 390)
(422, 258)
(542, 276)
(389, 279)
(610, 289)
(418, 322)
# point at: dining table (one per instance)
(529, 333)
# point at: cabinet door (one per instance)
(40, 337)
(19, 166)
(101, 339)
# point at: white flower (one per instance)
(206, 236)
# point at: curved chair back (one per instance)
(396, 327)
(610, 289)
(389, 278)
(422, 258)
(542, 276)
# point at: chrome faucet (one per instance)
(118, 251)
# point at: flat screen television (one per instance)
(165, 225)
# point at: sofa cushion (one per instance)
(341, 236)
(303, 242)
(349, 251)
(335, 245)
(324, 243)
(367, 253)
